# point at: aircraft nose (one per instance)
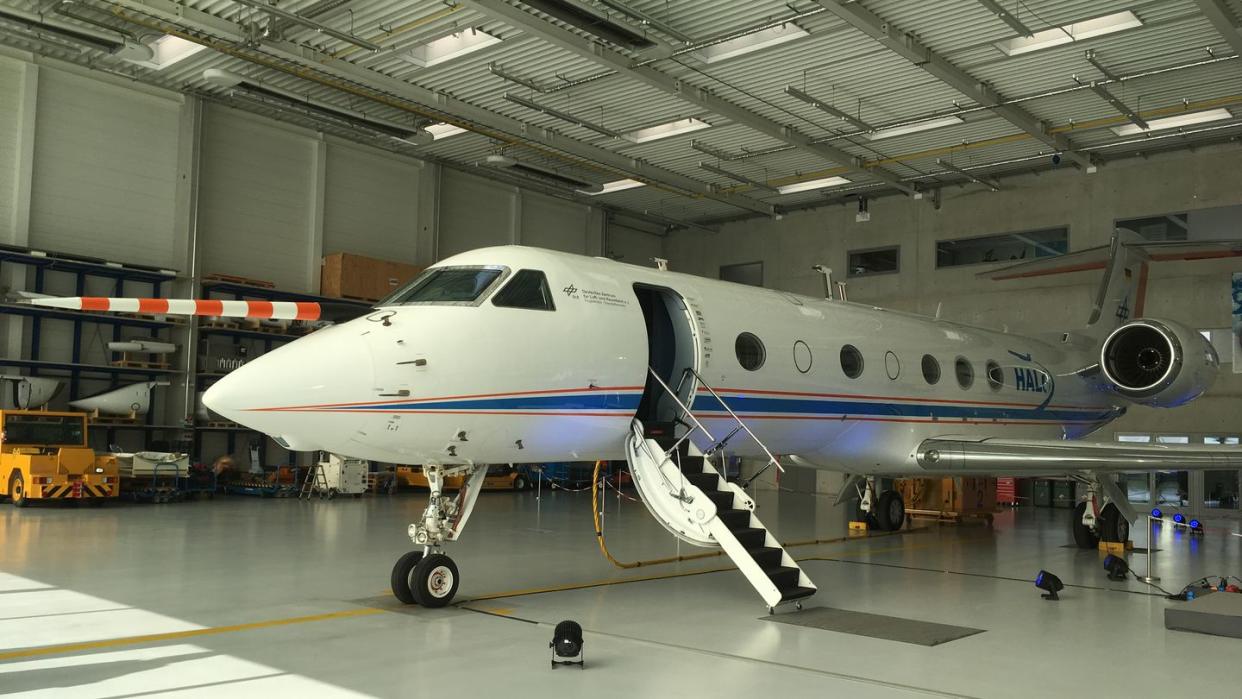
(294, 392)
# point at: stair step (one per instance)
(784, 578)
(751, 537)
(722, 498)
(707, 482)
(691, 464)
(796, 593)
(734, 519)
(766, 556)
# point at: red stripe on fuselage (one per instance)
(748, 391)
(439, 398)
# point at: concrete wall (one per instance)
(1196, 293)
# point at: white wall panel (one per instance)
(255, 198)
(105, 169)
(10, 143)
(370, 204)
(556, 224)
(474, 213)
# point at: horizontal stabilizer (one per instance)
(1098, 257)
(215, 308)
(1022, 457)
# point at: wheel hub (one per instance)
(440, 582)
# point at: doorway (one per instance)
(671, 350)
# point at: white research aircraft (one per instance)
(516, 354)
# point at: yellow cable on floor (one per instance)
(603, 545)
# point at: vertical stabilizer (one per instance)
(1122, 290)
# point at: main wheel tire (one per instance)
(434, 581)
(1084, 536)
(1114, 526)
(17, 490)
(401, 573)
(890, 511)
(520, 483)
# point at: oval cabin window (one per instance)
(965, 372)
(996, 377)
(931, 370)
(750, 352)
(851, 361)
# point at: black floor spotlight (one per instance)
(567, 643)
(1116, 567)
(1050, 583)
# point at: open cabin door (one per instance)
(672, 348)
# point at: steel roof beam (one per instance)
(739, 178)
(910, 48)
(434, 104)
(985, 181)
(1119, 105)
(1007, 17)
(698, 96)
(1223, 20)
(828, 109)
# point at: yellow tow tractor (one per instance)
(44, 456)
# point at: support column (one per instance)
(515, 215)
(597, 232)
(14, 276)
(182, 395)
(314, 243)
(427, 232)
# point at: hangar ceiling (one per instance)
(715, 110)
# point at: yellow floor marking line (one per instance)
(175, 635)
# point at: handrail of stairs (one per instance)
(686, 411)
(772, 460)
(676, 491)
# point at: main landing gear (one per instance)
(1090, 522)
(428, 577)
(886, 512)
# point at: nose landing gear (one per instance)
(428, 577)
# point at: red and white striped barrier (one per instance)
(276, 310)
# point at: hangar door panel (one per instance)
(10, 144)
(633, 247)
(370, 204)
(553, 223)
(255, 199)
(105, 170)
(474, 213)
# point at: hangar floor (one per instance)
(240, 597)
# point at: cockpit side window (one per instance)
(528, 289)
(448, 285)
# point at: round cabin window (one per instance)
(965, 372)
(931, 369)
(750, 352)
(892, 365)
(802, 356)
(996, 376)
(851, 361)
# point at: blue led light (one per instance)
(1155, 512)
(1194, 524)
(1179, 518)
(1039, 579)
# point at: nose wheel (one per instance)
(429, 578)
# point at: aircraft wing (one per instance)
(1023, 457)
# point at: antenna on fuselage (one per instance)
(827, 279)
(661, 263)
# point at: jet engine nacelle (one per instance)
(1159, 363)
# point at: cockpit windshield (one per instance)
(448, 285)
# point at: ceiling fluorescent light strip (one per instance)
(447, 48)
(1069, 33)
(672, 128)
(442, 130)
(1173, 122)
(916, 127)
(750, 43)
(615, 186)
(821, 183)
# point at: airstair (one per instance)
(687, 494)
